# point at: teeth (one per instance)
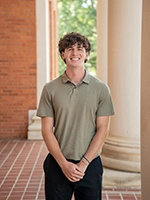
(75, 58)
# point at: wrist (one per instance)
(62, 162)
(85, 161)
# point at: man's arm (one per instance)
(102, 125)
(71, 171)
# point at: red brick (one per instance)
(17, 66)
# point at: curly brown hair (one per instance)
(72, 38)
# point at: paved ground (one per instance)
(21, 173)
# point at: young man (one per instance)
(75, 111)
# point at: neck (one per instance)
(75, 75)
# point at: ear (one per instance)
(62, 55)
(87, 56)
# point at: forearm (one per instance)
(95, 145)
(53, 147)
(99, 138)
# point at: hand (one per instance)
(72, 171)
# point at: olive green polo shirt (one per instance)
(74, 109)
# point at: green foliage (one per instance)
(78, 16)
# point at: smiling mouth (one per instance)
(75, 59)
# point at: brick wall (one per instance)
(17, 66)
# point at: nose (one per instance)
(74, 52)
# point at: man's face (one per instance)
(75, 56)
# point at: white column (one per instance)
(43, 62)
(102, 40)
(145, 102)
(42, 44)
(121, 150)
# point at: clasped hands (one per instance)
(74, 172)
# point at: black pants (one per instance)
(58, 187)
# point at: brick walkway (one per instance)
(21, 173)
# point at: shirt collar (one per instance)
(86, 78)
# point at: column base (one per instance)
(34, 128)
(120, 179)
(35, 135)
(121, 154)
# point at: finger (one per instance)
(79, 171)
(73, 179)
(77, 177)
(79, 174)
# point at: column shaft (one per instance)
(121, 150)
(145, 102)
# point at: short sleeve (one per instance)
(105, 106)
(45, 108)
